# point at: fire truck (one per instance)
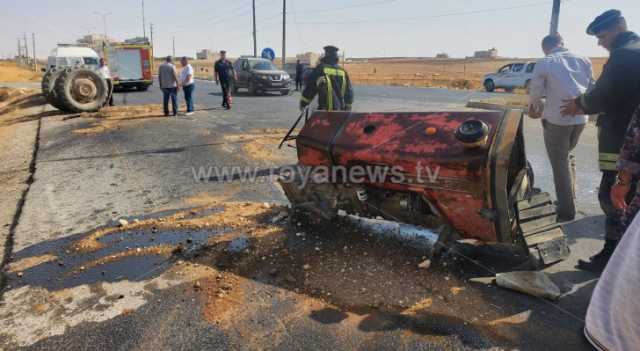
(130, 64)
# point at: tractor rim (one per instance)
(84, 89)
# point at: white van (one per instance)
(67, 55)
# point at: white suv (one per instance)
(509, 77)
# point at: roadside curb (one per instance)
(485, 105)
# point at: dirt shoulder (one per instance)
(10, 72)
(20, 111)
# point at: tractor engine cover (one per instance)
(464, 169)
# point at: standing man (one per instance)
(106, 74)
(330, 82)
(223, 73)
(615, 96)
(169, 84)
(559, 76)
(188, 84)
(299, 75)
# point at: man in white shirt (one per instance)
(106, 74)
(557, 77)
(188, 84)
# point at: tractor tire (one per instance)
(81, 89)
(48, 85)
(489, 85)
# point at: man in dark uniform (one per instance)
(299, 75)
(330, 82)
(615, 97)
(223, 73)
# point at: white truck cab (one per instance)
(510, 77)
(68, 55)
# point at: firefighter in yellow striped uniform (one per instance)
(330, 82)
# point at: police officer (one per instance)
(615, 97)
(330, 82)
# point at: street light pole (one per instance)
(144, 24)
(104, 21)
(555, 17)
(255, 41)
(284, 33)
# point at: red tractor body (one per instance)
(467, 170)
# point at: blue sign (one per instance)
(269, 54)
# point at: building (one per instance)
(206, 54)
(491, 54)
(95, 40)
(309, 58)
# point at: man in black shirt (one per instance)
(299, 75)
(223, 73)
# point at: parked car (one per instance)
(510, 77)
(260, 75)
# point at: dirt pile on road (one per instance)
(262, 144)
(114, 117)
(11, 72)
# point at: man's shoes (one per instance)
(188, 114)
(598, 262)
(227, 108)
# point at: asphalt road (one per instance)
(144, 169)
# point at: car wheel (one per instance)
(489, 85)
(252, 88)
(284, 92)
(143, 87)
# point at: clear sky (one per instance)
(363, 28)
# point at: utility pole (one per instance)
(174, 46)
(35, 60)
(26, 49)
(255, 41)
(555, 17)
(144, 24)
(284, 33)
(104, 21)
(19, 51)
(151, 30)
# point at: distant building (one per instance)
(137, 40)
(206, 54)
(491, 53)
(95, 40)
(309, 58)
(442, 55)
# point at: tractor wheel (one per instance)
(48, 85)
(81, 90)
(489, 85)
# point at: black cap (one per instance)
(604, 21)
(330, 49)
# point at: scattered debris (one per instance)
(532, 283)
(425, 264)
(123, 222)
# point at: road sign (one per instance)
(269, 54)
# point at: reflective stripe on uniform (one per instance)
(329, 94)
(333, 72)
(608, 161)
(608, 166)
(609, 157)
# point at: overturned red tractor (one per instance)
(466, 171)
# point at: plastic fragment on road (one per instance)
(533, 283)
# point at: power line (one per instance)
(451, 14)
(367, 4)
